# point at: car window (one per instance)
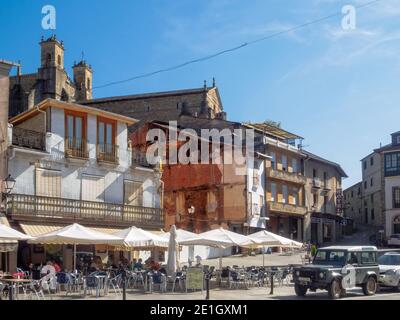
(389, 260)
(352, 258)
(334, 257)
(368, 257)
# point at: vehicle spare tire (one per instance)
(300, 290)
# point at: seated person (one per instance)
(48, 269)
(138, 265)
(57, 266)
(154, 265)
(353, 258)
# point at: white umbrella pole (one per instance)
(220, 258)
(74, 257)
(263, 256)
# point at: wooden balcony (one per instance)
(286, 176)
(49, 209)
(76, 148)
(107, 153)
(286, 209)
(28, 139)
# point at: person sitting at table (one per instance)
(132, 264)
(138, 265)
(154, 265)
(48, 269)
(57, 266)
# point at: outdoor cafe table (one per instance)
(15, 281)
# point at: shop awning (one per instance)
(7, 245)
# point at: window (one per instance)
(285, 194)
(88, 84)
(133, 193)
(371, 161)
(59, 60)
(368, 257)
(261, 203)
(273, 192)
(365, 185)
(294, 166)
(295, 196)
(392, 164)
(256, 177)
(352, 193)
(365, 165)
(284, 163)
(325, 178)
(315, 200)
(359, 191)
(372, 198)
(372, 182)
(48, 183)
(396, 197)
(93, 188)
(75, 134)
(273, 160)
(106, 133)
(372, 214)
(314, 173)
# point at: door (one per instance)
(133, 193)
(75, 134)
(93, 188)
(284, 194)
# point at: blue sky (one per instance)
(338, 89)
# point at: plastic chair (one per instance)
(91, 283)
(158, 279)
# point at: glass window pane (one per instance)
(70, 127)
(78, 128)
(101, 132)
(109, 134)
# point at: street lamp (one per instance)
(8, 185)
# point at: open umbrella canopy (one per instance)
(8, 233)
(77, 234)
(181, 235)
(266, 238)
(220, 238)
(141, 239)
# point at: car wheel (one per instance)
(334, 289)
(300, 290)
(369, 288)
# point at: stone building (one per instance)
(323, 198)
(353, 203)
(202, 103)
(50, 81)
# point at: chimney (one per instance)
(5, 67)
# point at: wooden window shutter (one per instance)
(133, 193)
(48, 183)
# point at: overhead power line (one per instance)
(222, 52)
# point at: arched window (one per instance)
(59, 60)
(48, 58)
(88, 83)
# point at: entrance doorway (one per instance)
(314, 232)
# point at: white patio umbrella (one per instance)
(181, 235)
(140, 239)
(266, 238)
(8, 233)
(221, 239)
(173, 249)
(77, 234)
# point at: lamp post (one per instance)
(8, 185)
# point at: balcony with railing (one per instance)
(76, 148)
(286, 176)
(51, 209)
(286, 208)
(139, 159)
(107, 153)
(28, 139)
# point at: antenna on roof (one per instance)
(213, 82)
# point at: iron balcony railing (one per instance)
(30, 207)
(107, 152)
(28, 139)
(76, 148)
